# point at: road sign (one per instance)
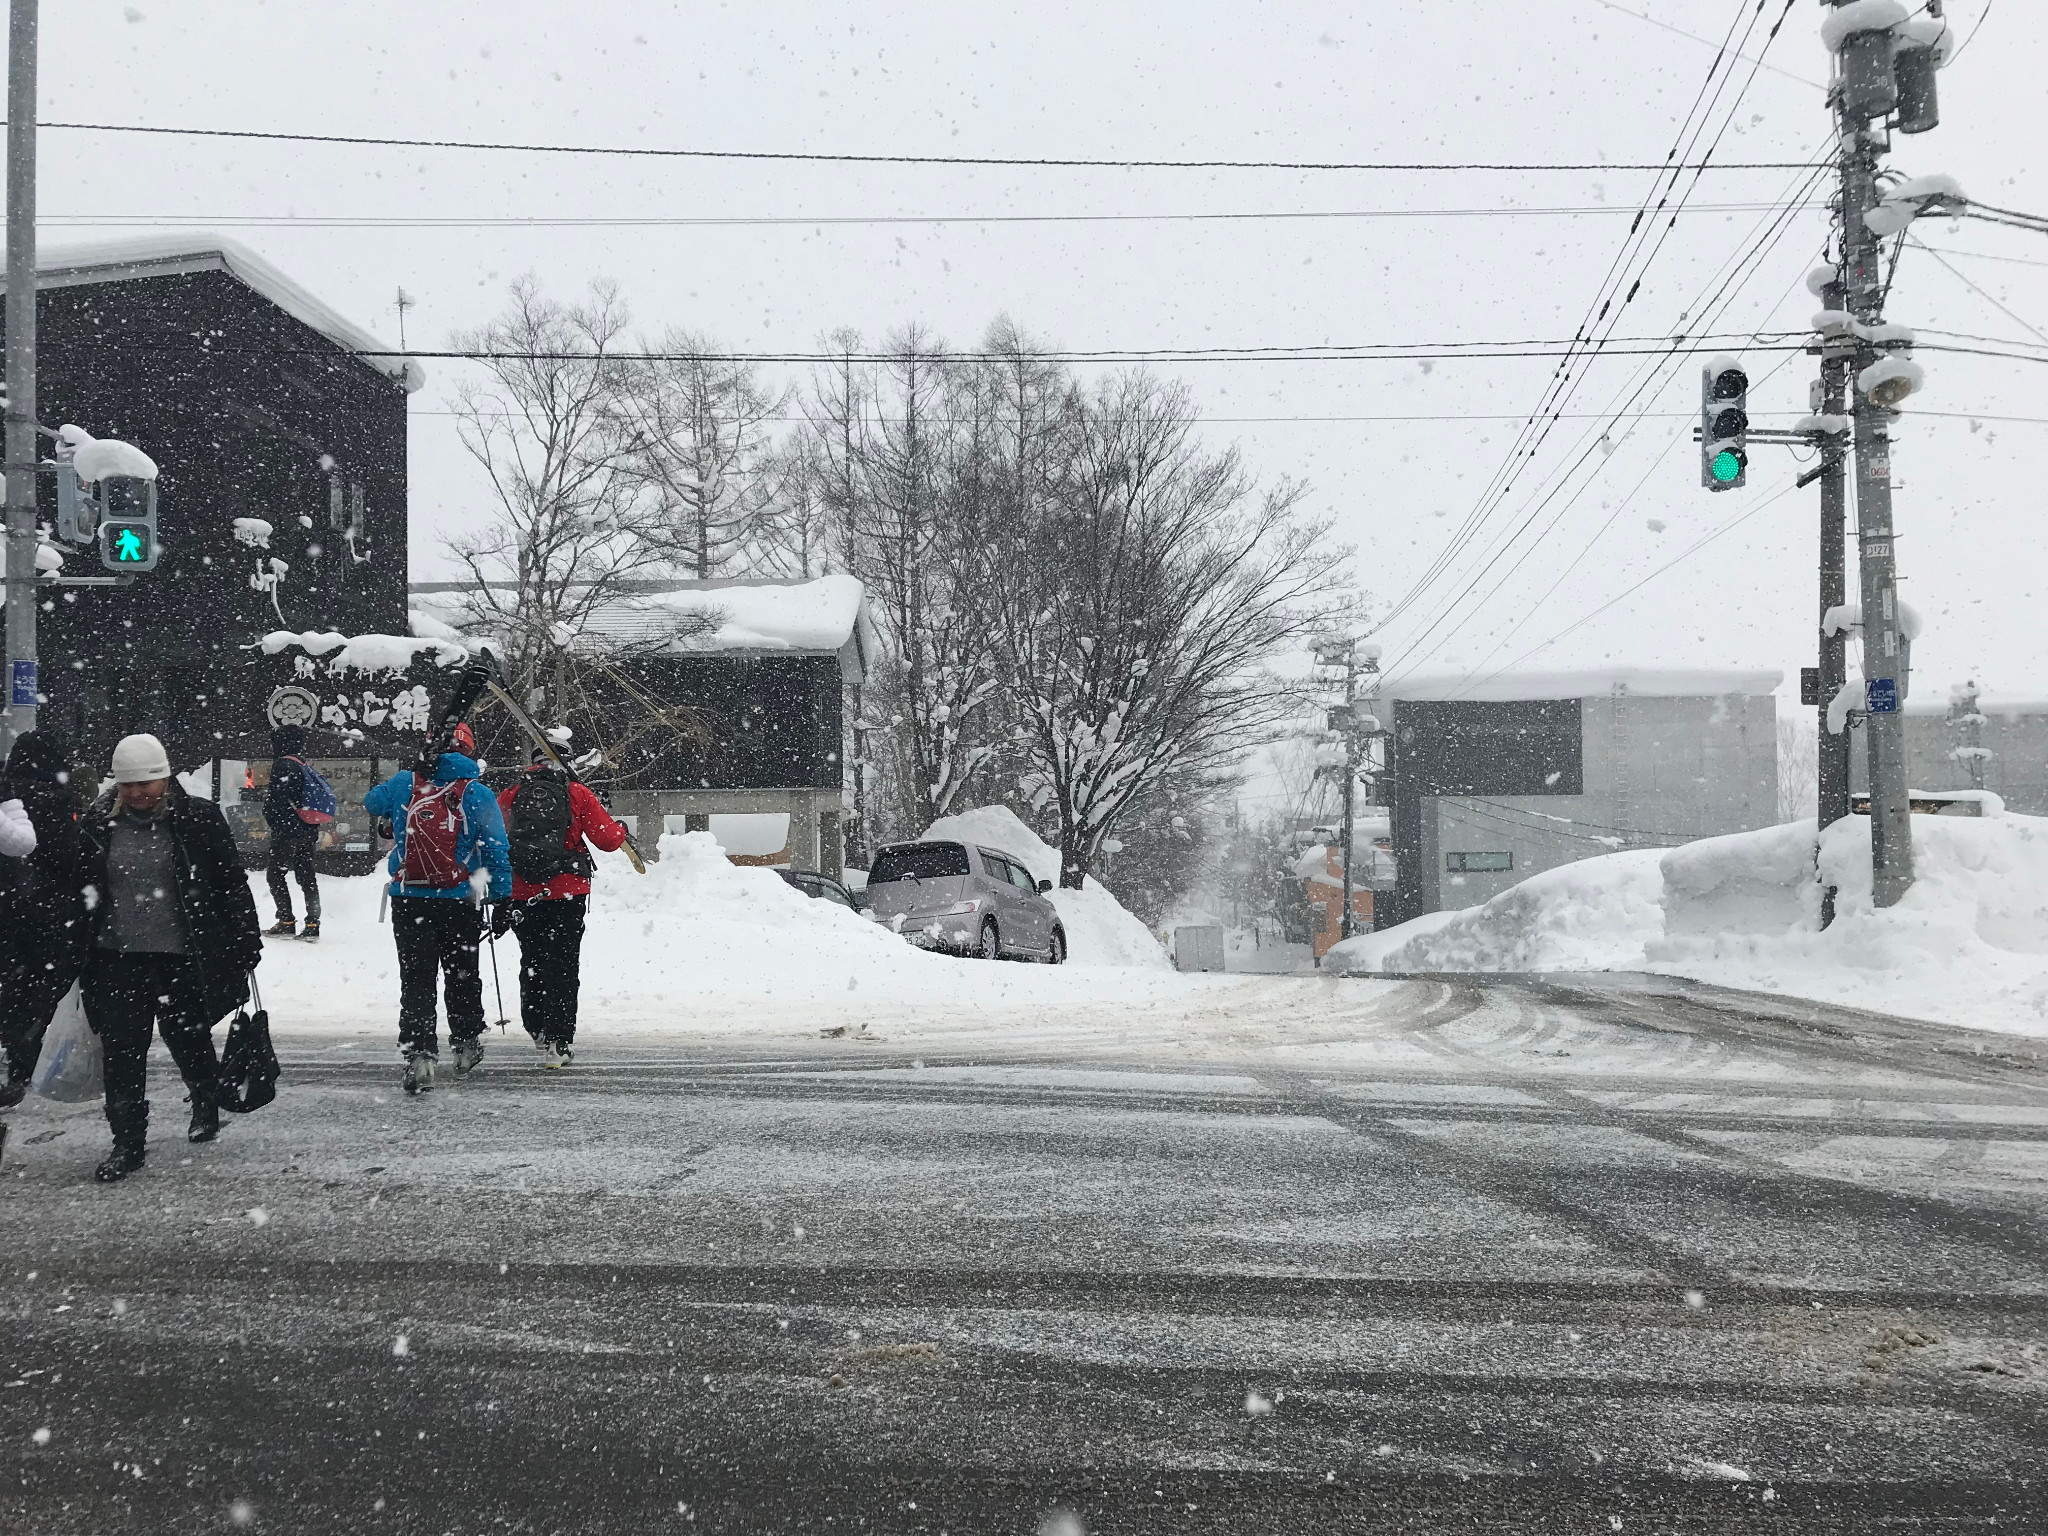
(1881, 696)
(22, 688)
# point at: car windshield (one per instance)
(918, 861)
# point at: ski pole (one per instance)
(497, 982)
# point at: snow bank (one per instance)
(1100, 931)
(1968, 944)
(696, 944)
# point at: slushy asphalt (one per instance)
(1540, 1256)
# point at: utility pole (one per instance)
(1347, 926)
(21, 369)
(1832, 756)
(1862, 103)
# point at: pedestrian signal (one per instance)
(128, 546)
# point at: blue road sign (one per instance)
(22, 685)
(1881, 696)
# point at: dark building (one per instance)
(260, 406)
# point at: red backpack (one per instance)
(433, 823)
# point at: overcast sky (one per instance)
(1430, 80)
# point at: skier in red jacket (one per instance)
(548, 816)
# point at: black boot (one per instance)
(130, 1121)
(13, 1091)
(205, 1112)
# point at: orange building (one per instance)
(1322, 873)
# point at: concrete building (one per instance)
(1967, 739)
(1496, 781)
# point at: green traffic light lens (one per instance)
(1727, 465)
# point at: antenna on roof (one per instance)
(405, 302)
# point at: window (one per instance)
(1478, 863)
(918, 861)
(1020, 877)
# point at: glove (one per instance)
(505, 917)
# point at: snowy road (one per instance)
(1298, 1255)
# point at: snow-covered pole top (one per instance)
(104, 458)
(1858, 16)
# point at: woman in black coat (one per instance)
(43, 931)
(174, 938)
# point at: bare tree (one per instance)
(1798, 767)
(699, 430)
(1139, 611)
(569, 528)
(895, 470)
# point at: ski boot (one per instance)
(283, 928)
(469, 1055)
(419, 1072)
(311, 930)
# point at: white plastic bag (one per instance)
(72, 1068)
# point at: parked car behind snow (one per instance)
(966, 899)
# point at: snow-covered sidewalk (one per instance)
(1967, 946)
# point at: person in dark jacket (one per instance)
(45, 923)
(548, 816)
(459, 861)
(174, 938)
(293, 839)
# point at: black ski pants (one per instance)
(437, 934)
(126, 995)
(294, 856)
(550, 967)
(29, 995)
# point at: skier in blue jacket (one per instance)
(451, 856)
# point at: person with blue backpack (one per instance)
(300, 802)
(449, 856)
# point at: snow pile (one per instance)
(700, 944)
(1968, 944)
(1100, 931)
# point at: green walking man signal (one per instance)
(128, 546)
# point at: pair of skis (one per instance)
(480, 676)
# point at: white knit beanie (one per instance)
(140, 758)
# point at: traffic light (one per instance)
(127, 526)
(1724, 425)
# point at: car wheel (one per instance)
(991, 943)
(1058, 952)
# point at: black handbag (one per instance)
(248, 1063)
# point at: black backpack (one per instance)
(540, 831)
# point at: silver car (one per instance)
(965, 899)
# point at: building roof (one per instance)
(138, 256)
(823, 615)
(1634, 682)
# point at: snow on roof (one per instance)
(739, 615)
(1637, 682)
(365, 653)
(816, 615)
(2006, 706)
(112, 261)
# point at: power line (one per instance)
(1987, 298)
(1029, 162)
(1502, 480)
(774, 221)
(1443, 416)
(1562, 386)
